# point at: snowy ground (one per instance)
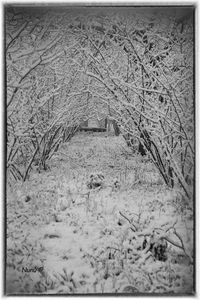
(63, 237)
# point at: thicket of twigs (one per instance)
(116, 230)
(137, 67)
(134, 214)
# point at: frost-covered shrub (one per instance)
(96, 181)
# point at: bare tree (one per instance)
(142, 67)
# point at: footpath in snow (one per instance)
(65, 237)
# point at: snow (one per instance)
(72, 232)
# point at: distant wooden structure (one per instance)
(102, 125)
(93, 125)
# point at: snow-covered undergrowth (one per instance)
(64, 237)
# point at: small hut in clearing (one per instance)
(102, 125)
(93, 124)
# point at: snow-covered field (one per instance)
(64, 238)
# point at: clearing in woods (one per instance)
(66, 236)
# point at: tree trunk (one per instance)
(116, 128)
